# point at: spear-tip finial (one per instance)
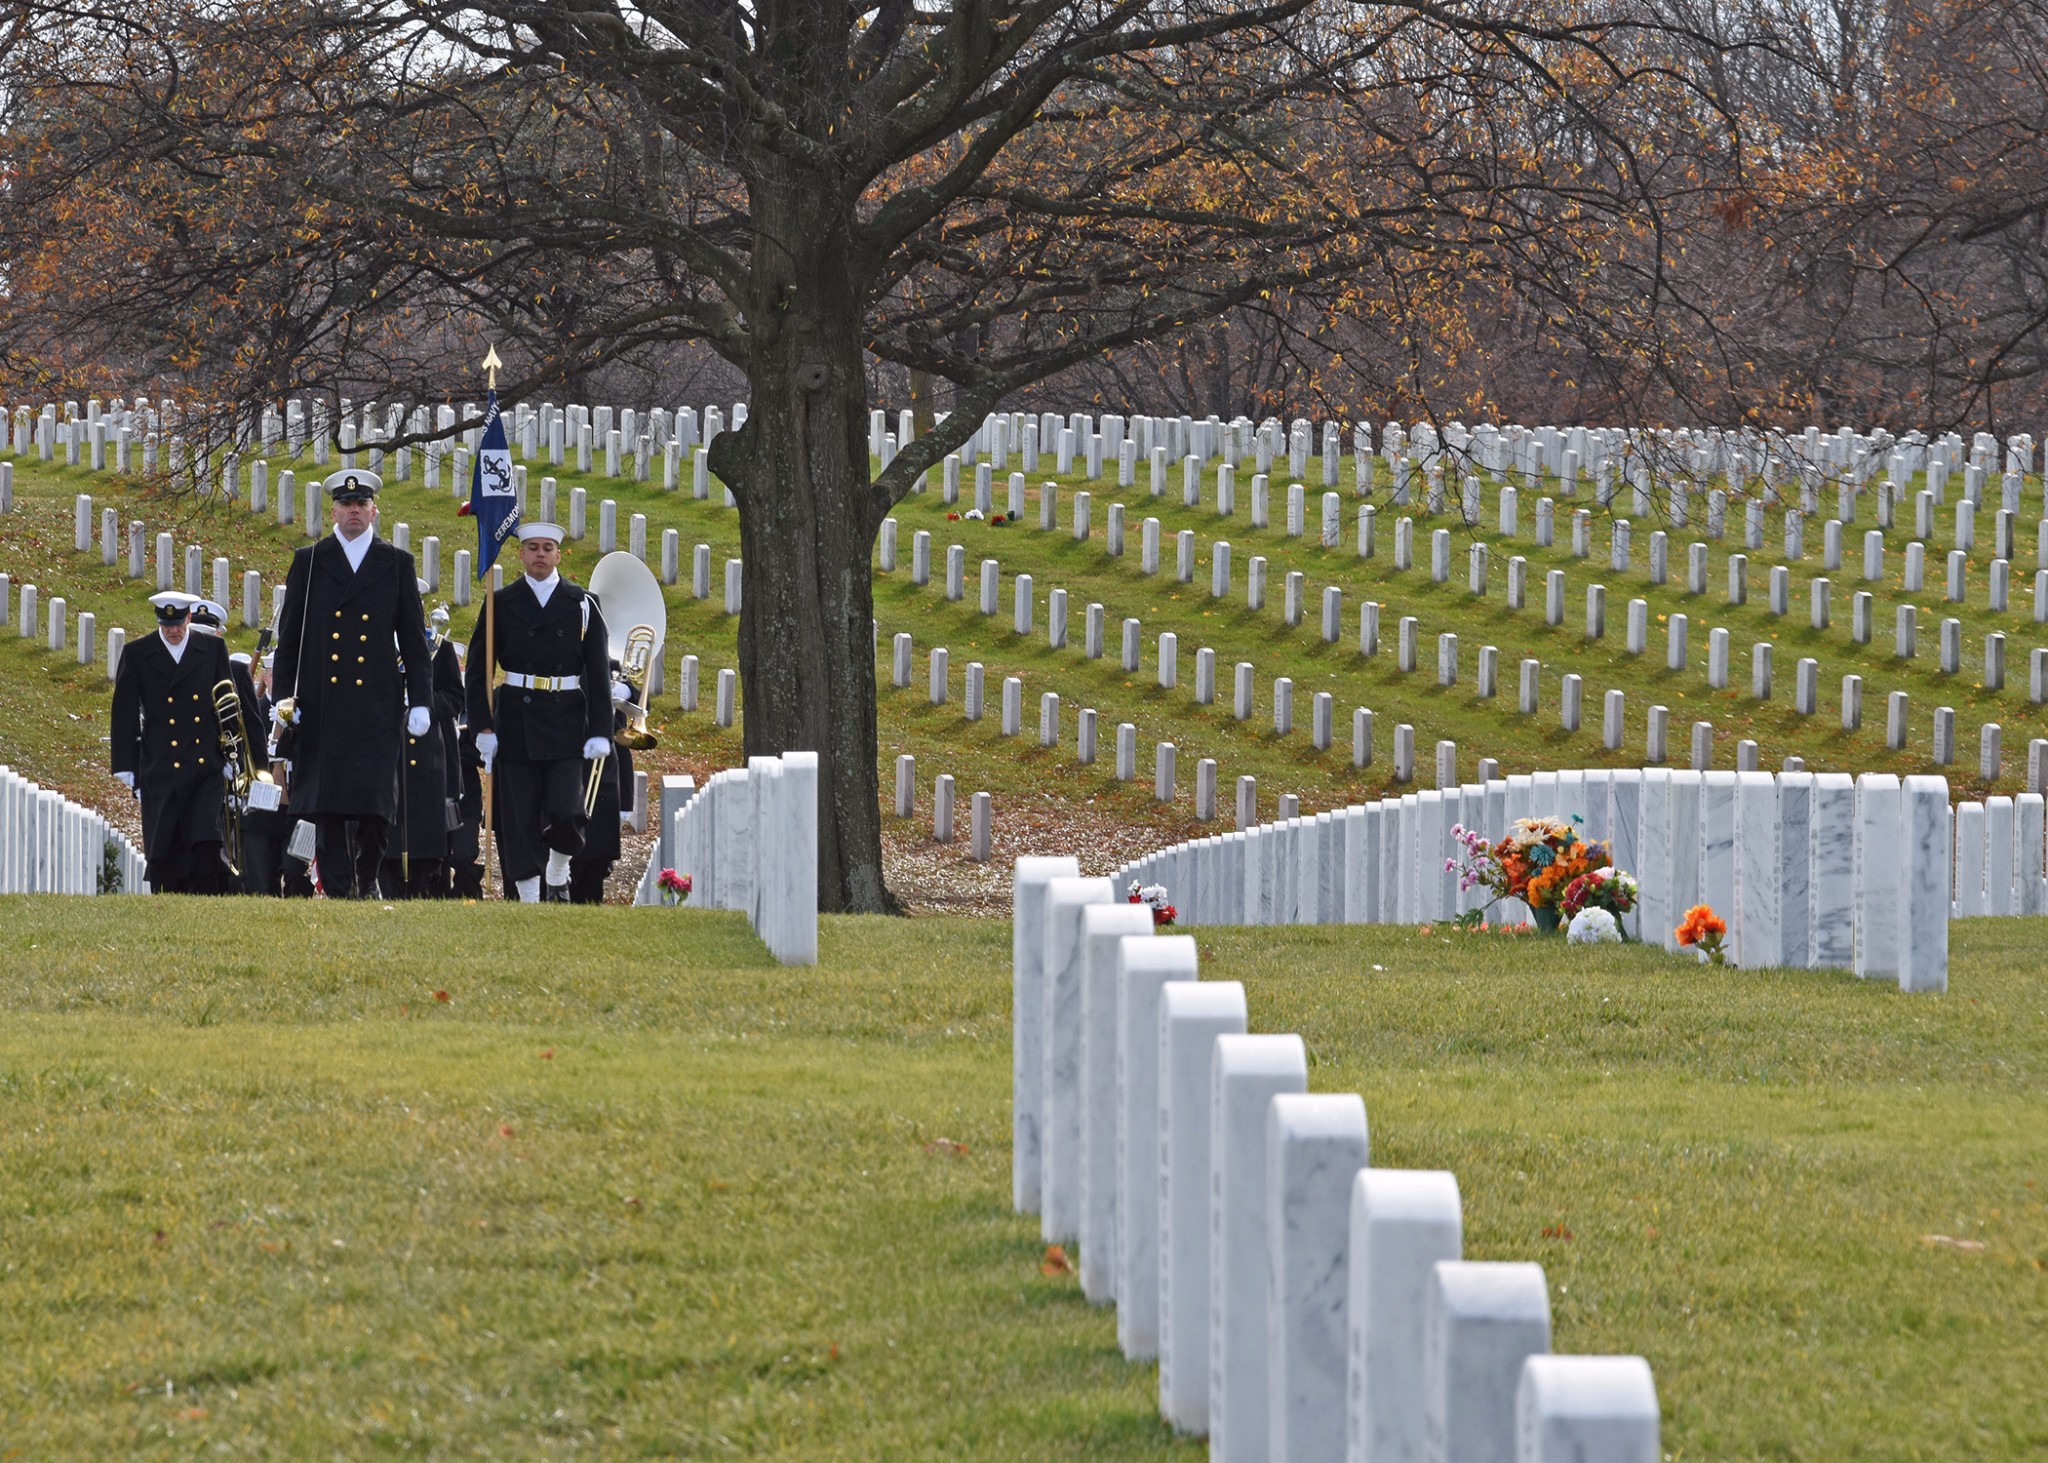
(493, 365)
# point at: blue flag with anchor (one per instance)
(491, 499)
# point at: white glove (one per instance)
(487, 744)
(621, 693)
(127, 780)
(280, 717)
(597, 749)
(417, 721)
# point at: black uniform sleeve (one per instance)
(253, 725)
(218, 668)
(412, 635)
(291, 621)
(477, 678)
(448, 686)
(126, 725)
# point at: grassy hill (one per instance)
(55, 711)
(292, 1180)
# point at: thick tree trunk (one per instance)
(808, 519)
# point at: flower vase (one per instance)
(1546, 920)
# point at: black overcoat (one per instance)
(164, 730)
(352, 646)
(432, 771)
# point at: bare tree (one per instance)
(986, 193)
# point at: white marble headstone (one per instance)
(1754, 923)
(1923, 905)
(1060, 1181)
(1880, 839)
(1191, 1016)
(1104, 927)
(1027, 1016)
(1587, 1409)
(1146, 966)
(1402, 1222)
(1485, 1319)
(1248, 1072)
(1316, 1145)
(1831, 886)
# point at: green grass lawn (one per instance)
(632, 1191)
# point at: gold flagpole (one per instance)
(491, 365)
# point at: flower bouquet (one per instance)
(1609, 890)
(675, 887)
(1536, 863)
(1154, 896)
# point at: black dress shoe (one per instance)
(554, 894)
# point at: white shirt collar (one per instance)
(543, 588)
(356, 548)
(178, 651)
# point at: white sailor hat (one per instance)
(542, 530)
(353, 482)
(173, 605)
(242, 658)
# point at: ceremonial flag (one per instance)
(491, 499)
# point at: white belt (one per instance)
(543, 683)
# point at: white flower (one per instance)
(1593, 927)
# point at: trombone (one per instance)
(242, 772)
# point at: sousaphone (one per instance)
(635, 624)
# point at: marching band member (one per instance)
(264, 830)
(589, 869)
(553, 713)
(352, 661)
(166, 747)
(432, 780)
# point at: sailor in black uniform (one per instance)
(355, 681)
(166, 747)
(552, 715)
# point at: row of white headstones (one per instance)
(51, 845)
(1810, 870)
(124, 437)
(1991, 751)
(1571, 692)
(77, 435)
(1301, 1303)
(748, 839)
(1635, 453)
(1808, 678)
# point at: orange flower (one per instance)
(1700, 922)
